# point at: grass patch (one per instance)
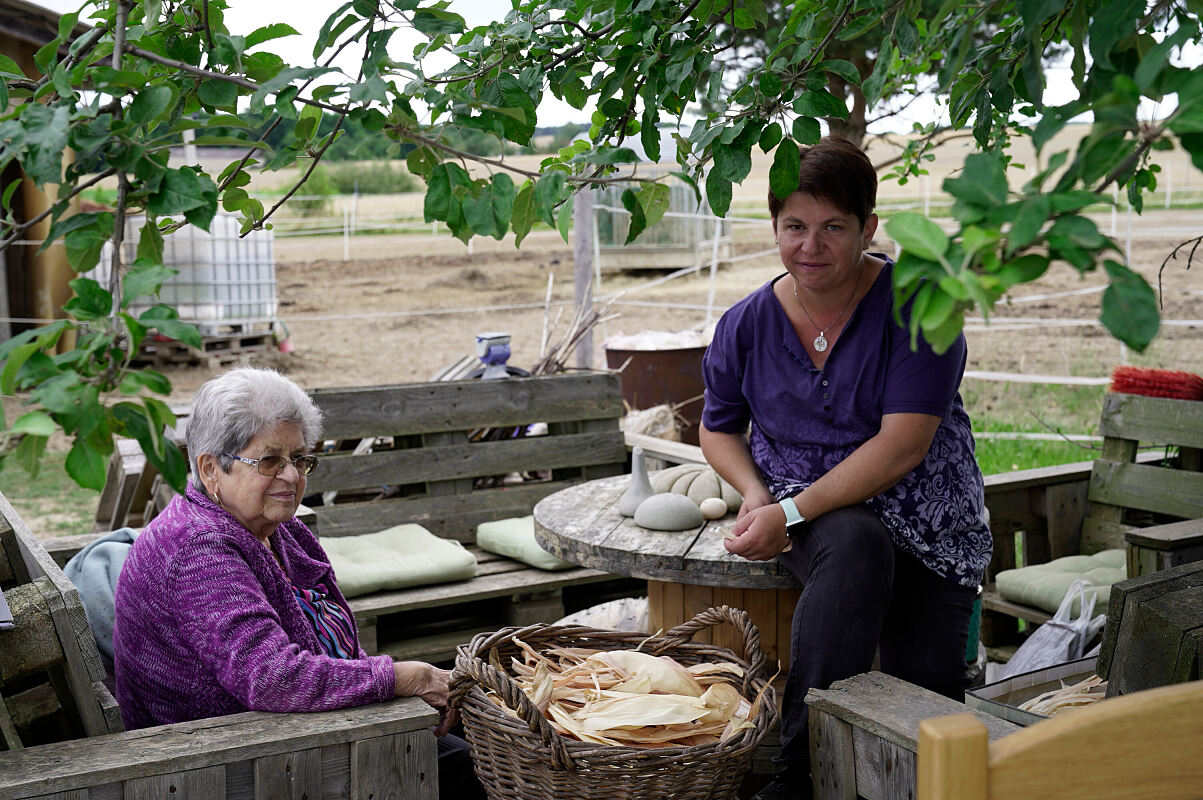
(1032, 408)
(51, 504)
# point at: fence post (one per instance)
(346, 234)
(582, 267)
(718, 227)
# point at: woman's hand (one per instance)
(419, 679)
(759, 533)
(758, 497)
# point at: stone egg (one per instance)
(713, 507)
(668, 512)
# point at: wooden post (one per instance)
(582, 260)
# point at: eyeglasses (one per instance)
(271, 466)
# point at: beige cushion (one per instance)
(515, 538)
(394, 558)
(1044, 585)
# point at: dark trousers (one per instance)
(457, 779)
(861, 594)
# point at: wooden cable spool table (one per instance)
(686, 571)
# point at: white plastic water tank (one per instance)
(222, 280)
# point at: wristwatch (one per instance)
(795, 523)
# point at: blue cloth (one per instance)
(805, 420)
(94, 572)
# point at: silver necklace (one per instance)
(820, 341)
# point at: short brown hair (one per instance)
(839, 172)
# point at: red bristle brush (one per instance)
(1157, 383)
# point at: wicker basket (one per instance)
(526, 759)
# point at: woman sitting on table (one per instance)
(857, 470)
(227, 603)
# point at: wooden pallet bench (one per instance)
(450, 455)
(864, 735)
(1150, 502)
(445, 455)
(61, 735)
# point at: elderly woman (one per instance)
(227, 602)
(852, 451)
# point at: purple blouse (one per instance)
(805, 420)
(208, 624)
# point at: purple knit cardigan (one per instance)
(207, 623)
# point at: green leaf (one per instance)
(135, 381)
(29, 453)
(806, 130)
(166, 320)
(180, 190)
(1113, 21)
(982, 182)
(84, 245)
(638, 221)
(144, 278)
(820, 104)
(151, 104)
(784, 174)
(16, 359)
(86, 464)
(548, 192)
(654, 200)
(524, 212)
(46, 139)
(91, 300)
(732, 161)
(564, 222)
(845, 70)
(718, 193)
(307, 123)
(502, 193)
(1024, 269)
(34, 423)
(217, 93)
(1032, 215)
(432, 22)
(1081, 231)
(1129, 307)
(770, 137)
(276, 30)
(918, 234)
(649, 133)
(150, 242)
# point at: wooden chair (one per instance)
(1141, 745)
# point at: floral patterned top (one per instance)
(802, 420)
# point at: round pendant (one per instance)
(820, 343)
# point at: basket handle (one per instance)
(472, 671)
(716, 616)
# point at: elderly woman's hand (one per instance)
(419, 679)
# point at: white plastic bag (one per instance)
(1063, 638)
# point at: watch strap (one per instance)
(793, 517)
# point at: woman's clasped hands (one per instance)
(759, 531)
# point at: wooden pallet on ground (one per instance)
(215, 351)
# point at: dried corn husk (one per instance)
(631, 698)
(1084, 693)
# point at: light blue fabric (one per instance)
(94, 572)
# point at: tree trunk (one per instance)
(854, 127)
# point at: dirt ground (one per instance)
(400, 309)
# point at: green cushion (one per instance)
(1044, 585)
(515, 538)
(394, 558)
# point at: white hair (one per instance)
(235, 407)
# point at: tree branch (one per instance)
(205, 73)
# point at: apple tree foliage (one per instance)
(118, 96)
